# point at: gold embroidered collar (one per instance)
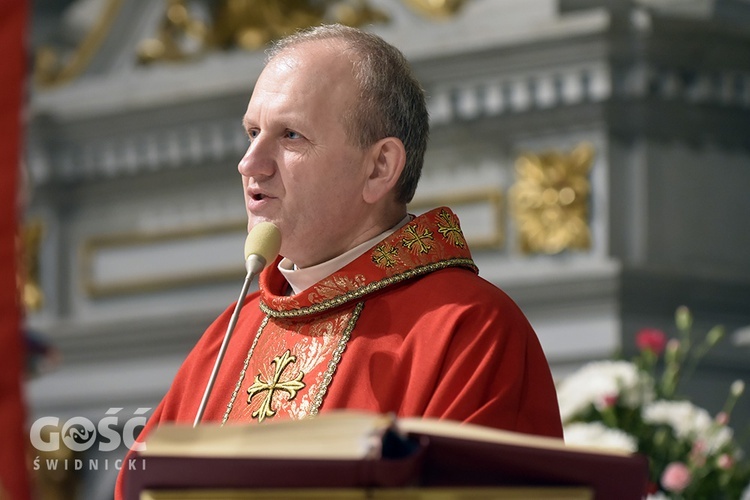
(428, 243)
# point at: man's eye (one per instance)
(291, 134)
(252, 134)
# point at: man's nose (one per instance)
(258, 160)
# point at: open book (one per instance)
(349, 449)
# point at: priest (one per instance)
(367, 307)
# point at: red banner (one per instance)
(14, 482)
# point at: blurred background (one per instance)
(596, 151)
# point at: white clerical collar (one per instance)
(302, 279)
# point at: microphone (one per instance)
(262, 245)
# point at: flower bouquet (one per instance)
(634, 405)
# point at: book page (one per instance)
(336, 435)
(459, 430)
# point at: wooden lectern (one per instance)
(351, 455)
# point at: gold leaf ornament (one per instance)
(29, 277)
(440, 9)
(246, 24)
(550, 200)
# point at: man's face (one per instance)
(300, 171)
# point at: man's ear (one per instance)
(387, 159)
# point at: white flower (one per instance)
(600, 381)
(688, 422)
(684, 417)
(598, 435)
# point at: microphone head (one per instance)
(264, 241)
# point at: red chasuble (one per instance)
(408, 327)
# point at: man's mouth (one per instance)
(258, 195)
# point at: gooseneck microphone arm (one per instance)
(261, 247)
(223, 349)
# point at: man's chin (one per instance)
(254, 220)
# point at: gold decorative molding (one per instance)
(49, 68)
(96, 250)
(488, 201)
(246, 24)
(252, 24)
(550, 200)
(436, 8)
(180, 35)
(32, 296)
(184, 35)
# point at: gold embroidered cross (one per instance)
(418, 239)
(289, 386)
(448, 227)
(384, 255)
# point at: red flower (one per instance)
(607, 401)
(651, 339)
